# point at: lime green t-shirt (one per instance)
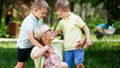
(71, 28)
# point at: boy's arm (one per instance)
(87, 33)
(33, 40)
(56, 32)
(41, 50)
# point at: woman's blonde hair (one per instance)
(62, 4)
(40, 4)
(40, 30)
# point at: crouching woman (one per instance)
(44, 35)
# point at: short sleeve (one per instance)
(34, 50)
(29, 26)
(79, 22)
(59, 26)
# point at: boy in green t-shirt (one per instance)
(71, 26)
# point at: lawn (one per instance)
(103, 55)
(8, 56)
(100, 55)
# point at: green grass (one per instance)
(100, 55)
(106, 37)
(8, 56)
(103, 55)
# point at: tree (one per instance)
(1, 5)
(112, 7)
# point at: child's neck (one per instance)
(35, 16)
(67, 15)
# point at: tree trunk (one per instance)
(1, 5)
(72, 5)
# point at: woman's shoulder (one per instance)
(35, 48)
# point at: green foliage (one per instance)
(91, 23)
(93, 2)
(3, 29)
(51, 4)
(92, 19)
(6, 3)
(113, 10)
(112, 7)
(117, 24)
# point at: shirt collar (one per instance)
(71, 14)
(33, 16)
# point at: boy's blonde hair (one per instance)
(39, 4)
(62, 4)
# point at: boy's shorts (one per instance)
(74, 55)
(23, 54)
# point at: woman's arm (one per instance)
(37, 52)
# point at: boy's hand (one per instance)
(89, 43)
(81, 44)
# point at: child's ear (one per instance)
(35, 9)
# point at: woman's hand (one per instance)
(48, 52)
(81, 44)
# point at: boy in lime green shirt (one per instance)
(71, 26)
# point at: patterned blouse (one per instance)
(52, 61)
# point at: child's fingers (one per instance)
(89, 43)
(78, 45)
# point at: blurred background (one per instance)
(98, 14)
(101, 16)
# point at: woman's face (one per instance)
(49, 34)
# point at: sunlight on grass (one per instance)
(8, 45)
(107, 37)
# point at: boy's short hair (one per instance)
(62, 4)
(40, 4)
